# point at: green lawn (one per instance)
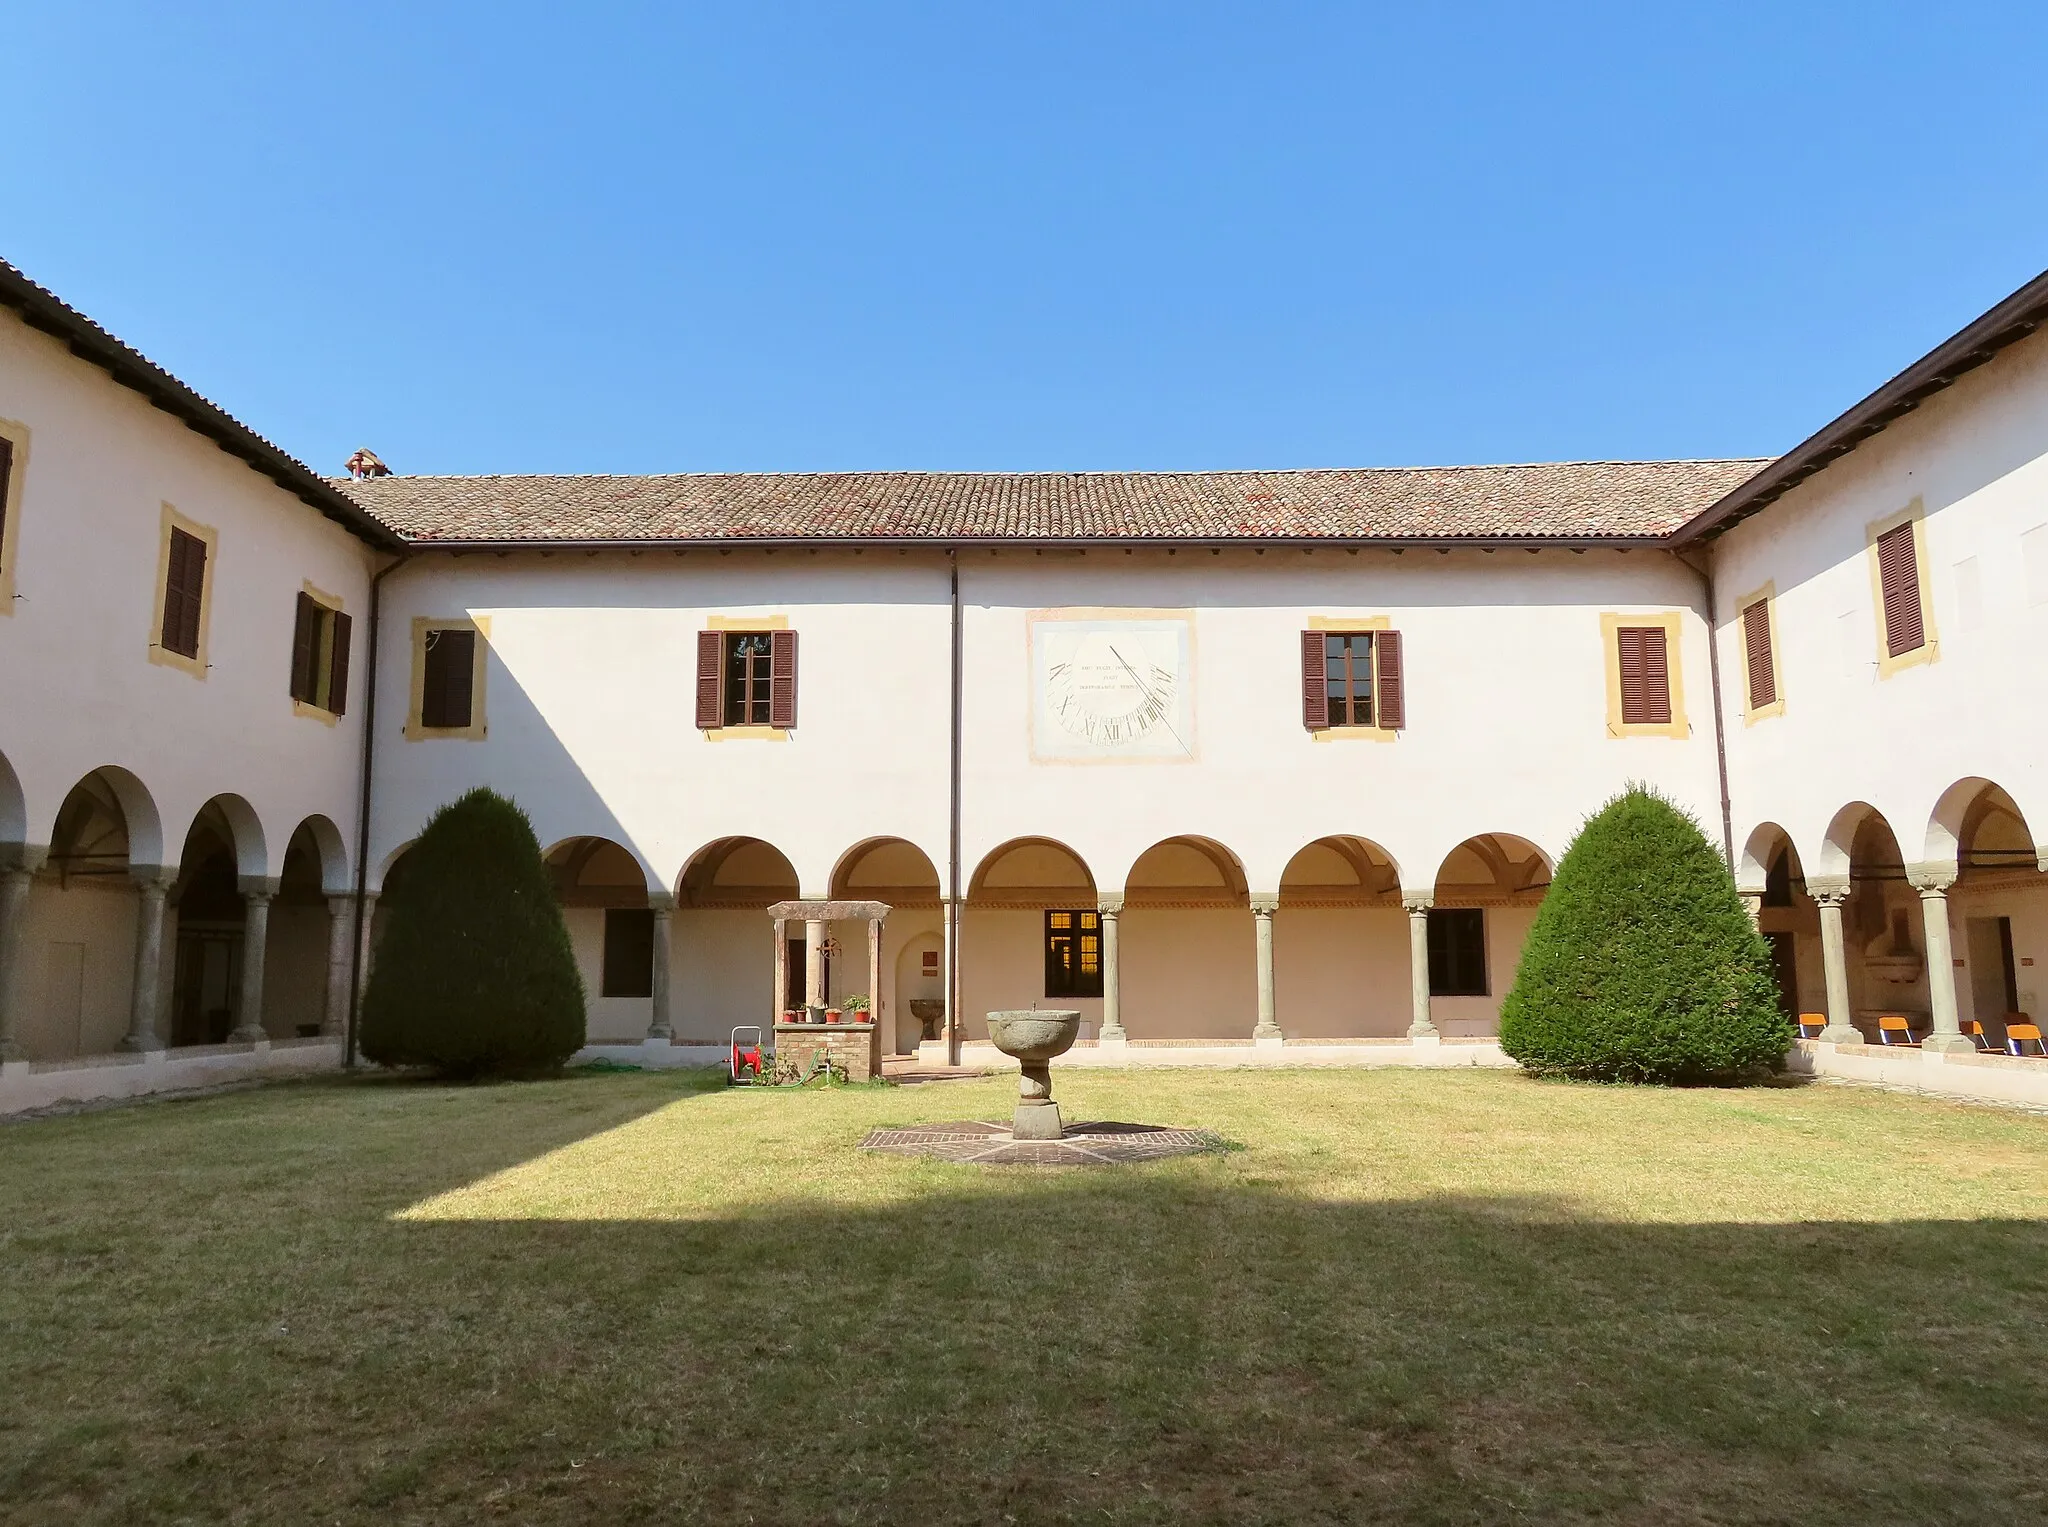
(1459, 1297)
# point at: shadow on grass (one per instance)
(1111, 1345)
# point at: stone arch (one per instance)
(1031, 872)
(13, 806)
(891, 870)
(319, 837)
(1838, 843)
(737, 872)
(597, 872)
(107, 825)
(380, 878)
(111, 797)
(1978, 825)
(245, 833)
(1492, 866)
(1762, 849)
(1341, 871)
(1186, 871)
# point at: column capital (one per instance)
(1110, 903)
(1828, 889)
(153, 880)
(24, 856)
(661, 903)
(257, 887)
(1931, 878)
(1418, 901)
(1265, 903)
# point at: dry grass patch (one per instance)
(1409, 1297)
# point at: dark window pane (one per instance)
(1073, 958)
(1457, 952)
(446, 696)
(628, 952)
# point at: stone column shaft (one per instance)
(1941, 966)
(149, 959)
(660, 1024)
(781, 977)
(14, 886)
(1753, 904)
(340, 925)
(1418, 966)
(1841, 1028)
(1112, 910)
(875, 976)
(1263, 908)
(255, 944)
(814, 964)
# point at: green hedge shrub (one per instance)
(1642, 965)
(473, 974)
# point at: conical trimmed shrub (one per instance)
(474, 973)
(1642, 965)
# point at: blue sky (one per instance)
(1092, 236)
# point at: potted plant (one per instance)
(857, 1008)
(831, 1015)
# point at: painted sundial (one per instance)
(1109, 688)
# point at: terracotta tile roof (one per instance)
(1580, 500)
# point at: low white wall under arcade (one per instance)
(1986, 1078)
(31, 1086)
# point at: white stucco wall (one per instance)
(589, 723)
(77, 688)
(1976, 458)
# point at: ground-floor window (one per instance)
(1073, 954)
(628, 952)
(1457, 952)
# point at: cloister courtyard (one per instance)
(1394, 1296)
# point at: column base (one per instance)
(1424, 1034)
(660, 1037)
(247, 1036)
(146, 1044)
(1840, 1034)
(1949, 1044)
(10, 1052)
(1265, 1038)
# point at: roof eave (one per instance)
(2012, 320)
(1057, 543)
(131, 369)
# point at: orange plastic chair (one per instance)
(1894, 1030)
(2019, 1035)
(1977, 1035)
(1814, 1021)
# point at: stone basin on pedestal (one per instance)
(1034, 1037)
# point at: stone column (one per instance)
(814, 965)
(256, 895)
(660, 1023)
(1753, 904)
(875, 977)
(340, 923)
(780, 981)
(369, 941)
(1932, 882)
(1263, 907)
(1112, 910)
(1829, 896)
(951, 911)
(1418, 965)
(153, 884)
(14, 886)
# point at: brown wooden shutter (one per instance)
(1898, 575)
(337, 668)
(306, 650)
(6, 481)
(1392, 705)
(1645, 676)
(782, 678)
(184, 590)
(1315, 685)
(710, 650)
(1756, 645)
